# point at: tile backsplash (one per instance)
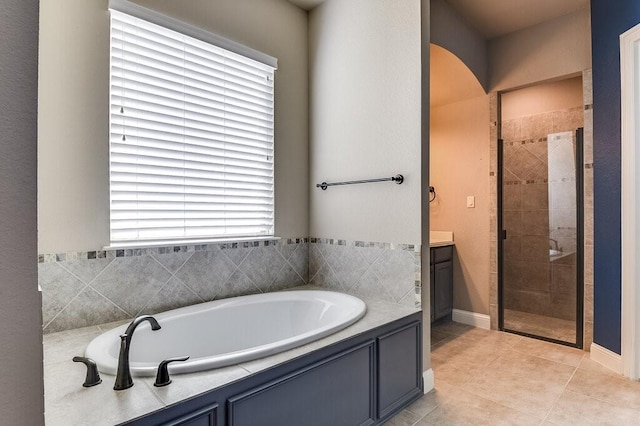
(383, 271)
(89, 288)
(81, 289)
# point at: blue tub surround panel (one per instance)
(89, 288)
(361, 381)
(362, 374)
(383, 271)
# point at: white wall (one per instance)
(459, 167)
(365, 80)
(74, 88)
(21, 389)
(553, 49)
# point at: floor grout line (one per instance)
(564, 388)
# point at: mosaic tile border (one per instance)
(526, 182)
(537, 181)
(525, 141)
(367, 244)
(132, 252)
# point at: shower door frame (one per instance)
(501, 236)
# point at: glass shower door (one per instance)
(541, 239)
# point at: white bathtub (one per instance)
(229, 331)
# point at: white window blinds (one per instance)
(191, 137)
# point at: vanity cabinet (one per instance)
(363, 380)
(441, 274)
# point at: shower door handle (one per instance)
(504, 234)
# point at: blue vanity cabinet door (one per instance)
(443, 289)
(441, 282)
(432, 292)
(442, 254)
(206, 416)
(399, 369)
(336, 391)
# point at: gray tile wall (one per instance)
(83, 289)
(376, 270)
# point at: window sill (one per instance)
(186, 242)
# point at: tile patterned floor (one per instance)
(492, 378)
(539, 325)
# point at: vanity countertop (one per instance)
(68, 403)
(440, 243)
(440, 238)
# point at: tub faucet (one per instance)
(123, 376)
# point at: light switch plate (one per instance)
(471, 201)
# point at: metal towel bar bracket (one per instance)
(397, 179)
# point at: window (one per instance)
(191, 133)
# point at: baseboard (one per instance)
(428, 380)
(471, 318)
(606, 358)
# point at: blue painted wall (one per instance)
(609, 19)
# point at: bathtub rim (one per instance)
(98, 348)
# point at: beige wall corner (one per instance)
(459, 167)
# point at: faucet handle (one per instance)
(93, 377)
(162, 378)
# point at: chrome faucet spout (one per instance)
(123, 375)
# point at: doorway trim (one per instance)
(630, 96)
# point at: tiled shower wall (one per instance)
(89, 288)
(588, 207)
(382, 271)
(539, 212)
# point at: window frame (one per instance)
(185, 29)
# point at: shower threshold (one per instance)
(539, 325)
